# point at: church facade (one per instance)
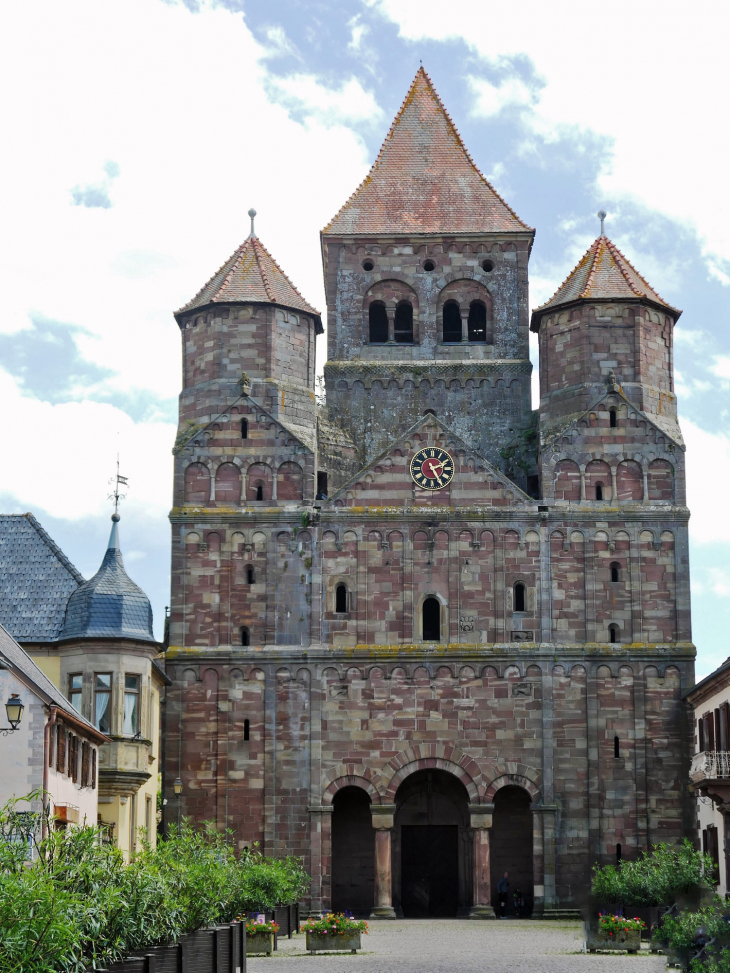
(421, 634)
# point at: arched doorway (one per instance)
(511, 845)
(431, 853)
(353, 852)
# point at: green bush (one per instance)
(655, 878)
(77, 905)
(679, 931)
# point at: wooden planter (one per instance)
(629, 942)
(326, 942)
(260, 944)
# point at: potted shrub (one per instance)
(260, 937)
(616, 932)
(335, 931)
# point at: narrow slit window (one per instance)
(616, 747)
(451, 322)
(244, 428)
(613, 633)
(519, 597)
(377, 323)
(321, 485)
(130, 724)
(599, 491)
(74, 690)
(618, 854)
(250, 576)
(245, 636)
(615, 571)
(259, 491)
(246, 730)
(403, 324)
(613, 418)
(431, 620)
(341, 599)
(102, 698)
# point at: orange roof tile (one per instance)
(424, 180)
(250, 275)
(603, 273)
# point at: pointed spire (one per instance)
(424, 180)
(602, 273)
(113, 544)
(250, 275)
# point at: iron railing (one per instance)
(710, 765)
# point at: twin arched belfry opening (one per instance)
(432, 848)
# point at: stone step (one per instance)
(564, 914)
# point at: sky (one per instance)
(139, 132)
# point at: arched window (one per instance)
(615, 571)
(259, 487)
(244, 428)
(403, 325)
(613, 417)
(613, 633)
(452, 321)
(599, 491)
(431, 620)
(246, 730)
(519, 597)
(250, 576)
(245, 636)
(616, 747)
(378, 321)
(341, 599)
(477, 321)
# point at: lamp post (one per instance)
(178, 788)
(14, 708)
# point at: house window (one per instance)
(74, 690)
(341, 599)
(130, 723)
(431, 620)
(519, 597)
(148, 816)
(102, 701)
(403, 325)
(477, 321)
(132, 825)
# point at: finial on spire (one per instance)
(602, 217)
(116, 496)
(252, 213)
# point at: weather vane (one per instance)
(602, 217)
(116, 496)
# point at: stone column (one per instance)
(465, 325)
(547, 812)
(383, 816)
(320, 836)
(390, 311)
(481, 821)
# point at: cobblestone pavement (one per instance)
(461, 946)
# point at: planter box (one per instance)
(260, 944)
(166, 958)
(625, 941)
(325, 942)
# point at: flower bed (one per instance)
(335, 931)
(260, 937)
(616, 932)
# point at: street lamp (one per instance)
(14, 708)
(177, 787)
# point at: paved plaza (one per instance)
(461, 946)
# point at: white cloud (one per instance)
(721, 366)
(350, 103)
(490, 99)
(657, 90)
(706, 451)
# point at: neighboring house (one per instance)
(710, 774)
(94, 641)
(52, 749)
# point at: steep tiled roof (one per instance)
(109, 605)
(36, 580)
(250, 274)
(603, 273)
(424, 180)
(16, 658)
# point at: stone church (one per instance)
(421, 634)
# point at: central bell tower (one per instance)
(426, 284)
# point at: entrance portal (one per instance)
(353, 852)
(432, 851)
(511, 846)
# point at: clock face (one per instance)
(432, 468)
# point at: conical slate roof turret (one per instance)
(109, 605)
(424, 180)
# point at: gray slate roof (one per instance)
(36, 580)
(109, 605)
(16, 658)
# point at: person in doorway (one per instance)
(502, 893)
